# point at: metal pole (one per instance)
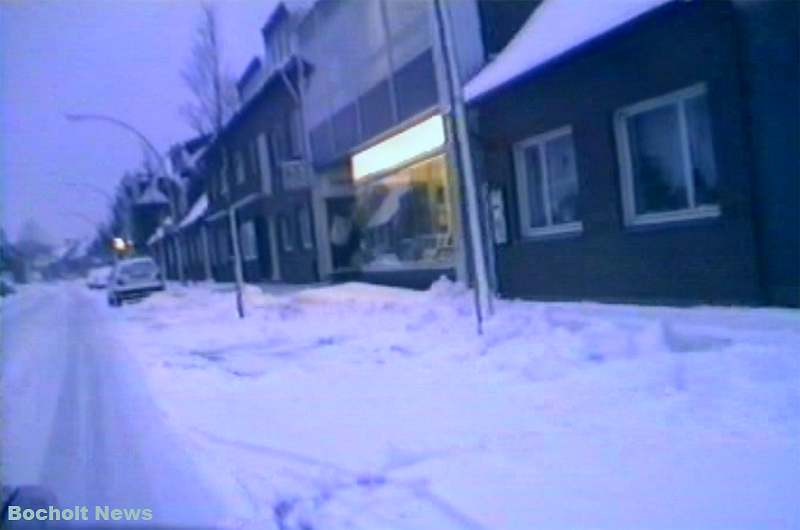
(443, 28)
(234, 234)
(237, 262)
(162, 165)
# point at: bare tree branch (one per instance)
(213, 90)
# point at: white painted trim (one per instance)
(686, 214)
(520, 172)
(244, 201)
(574, 227)
(693, 212)
(214, 216)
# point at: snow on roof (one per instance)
(554, 28)
(157, 235)
(151, 195)
(195, 212)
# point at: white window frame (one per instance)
(247, 238)
(520, 170)
(621, 117)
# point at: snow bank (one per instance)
(358, 406)
(553, 29)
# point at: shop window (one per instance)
(247, 241)
(666, 158)
(547, 183)
(404, 219)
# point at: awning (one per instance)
(389, 207)
(157, 236)
(197, 211)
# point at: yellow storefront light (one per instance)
(425, 137)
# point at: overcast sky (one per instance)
(120, 57)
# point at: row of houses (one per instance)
(634, 150)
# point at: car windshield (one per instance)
(139, 268)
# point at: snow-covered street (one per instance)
(366, 407)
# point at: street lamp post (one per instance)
(110, 201)
(173, 202)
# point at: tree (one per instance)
(215, 100)
(212, 88)
(33, 241)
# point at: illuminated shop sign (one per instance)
(425, 137)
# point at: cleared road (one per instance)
(77, 418)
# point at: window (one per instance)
(254, 165)
(403, 219)
(547, 183)
(304, 224)
(238, 163)
(295, 133)
(212, 247)
(247, 241)
(279, 44)
(286, 234)
(276, 145)
(667, 158)
(223, 182)
(223, 245)
(264, 162)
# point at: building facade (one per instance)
(258, 172)
(386, 198)
(623, 167)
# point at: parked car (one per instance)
(6, 287)
(133, 278)
(98, 277)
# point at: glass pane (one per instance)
(533, 172)
(405, 218)
(658, 180)
(562, 176)
(704, 173)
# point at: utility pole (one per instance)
(444, 35)
(234, 234)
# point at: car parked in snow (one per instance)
(7, 287)
(133, 278)
(98, 278)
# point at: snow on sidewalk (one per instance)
(357, 406)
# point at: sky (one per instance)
(121, 58)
